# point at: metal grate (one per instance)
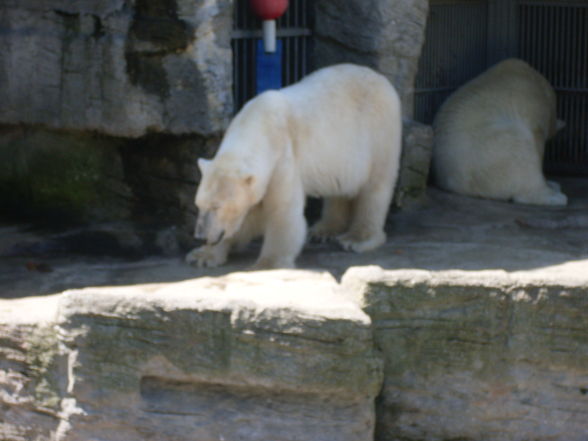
(553, 38)
(454, 52)
(294, 30)
(465, 37)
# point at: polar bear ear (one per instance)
(203, 165)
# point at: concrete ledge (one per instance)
(290, 355)
(486, 355)
(249, 356)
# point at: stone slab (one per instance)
(116, 67)
(484, 356)
(259, 356)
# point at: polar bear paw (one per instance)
(206, 257)
(326, 231)
(550, 196)
(360, 243)
(557, 199)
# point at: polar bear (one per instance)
(490, 136)
(336, 134)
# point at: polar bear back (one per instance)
(344, 123)
(490, 134)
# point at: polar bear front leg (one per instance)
(285, 225)
(282, 243)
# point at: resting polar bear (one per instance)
(336, 134)
(490, 136)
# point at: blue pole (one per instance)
(268, 67)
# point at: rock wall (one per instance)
(387, 36)
(120, 68)
(106, 105)
(417, 149)
(249, 357)
(483, 356)
(32, 380)
(292, 355)
(75, 177)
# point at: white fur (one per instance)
(490, 136)
(335, 134)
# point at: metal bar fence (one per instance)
(295, 31)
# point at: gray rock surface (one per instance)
(478, 356)
(31, 379)
(133, 69)
(81, 176)
(417, 149)
(387, 36)
(479, 315)
(116, 67)
(74, 176)
(277, 355)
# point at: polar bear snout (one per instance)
(206, 228)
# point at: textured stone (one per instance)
(67, 176)
(75, 176)
(481, 356)
(116, 67)
(258, 356)
(30, 370)
(387, 36)
(417, 148)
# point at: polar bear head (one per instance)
(224, 197)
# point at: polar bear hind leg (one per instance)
(334, 219)
(529, 184)
(368, 216)
(370, 206)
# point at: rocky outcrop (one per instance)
(417, 149)
(387, 36)
(289, 355)
(31, 378)
(73, 177)
(259, 356)
(485, 356)
(106, 105)
(116, 67)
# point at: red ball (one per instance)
(269, 9)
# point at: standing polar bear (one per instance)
(490, 136)
(336, 134)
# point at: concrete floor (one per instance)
(449, 232)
